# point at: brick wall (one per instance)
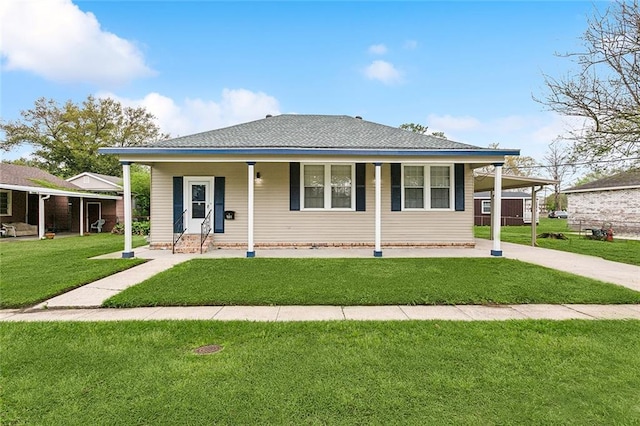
(621, 208)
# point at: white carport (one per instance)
(489, 181)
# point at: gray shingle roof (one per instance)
(12, 174)
(626, 178)
(311, 131)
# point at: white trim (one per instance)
(427, 187)
(128, 216)
(9, 202)
(484, 203)
(378, 208)
(327, 188)
(611, 188)
(186, 197)
(89, 174)
(497, 209)
(250, 207)
(48, 191)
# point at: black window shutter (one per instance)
(294, 186)
(178, 200)
(361, 193)
(459, 186)
(396, 187)
(218, 205)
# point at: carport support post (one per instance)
(534, 210)
(497, 210)
(41, 229)
(126, 182)
(251, 176)
(377, 252)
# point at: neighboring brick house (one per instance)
(112, 211)
(614, 199)
(38, 201)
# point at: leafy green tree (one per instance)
(604, 90)
(141, 189)
(66, 137)
(423, 130)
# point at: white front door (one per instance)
(198, 202)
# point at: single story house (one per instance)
(112, 211)
(311, 180)
(611, 200)
(516, 208)
(33, 201)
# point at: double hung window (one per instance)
(427, 187)
(328, 186)
(5, 203)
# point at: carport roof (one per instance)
(485, 181)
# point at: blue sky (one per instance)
(466, 68)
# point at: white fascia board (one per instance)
(59, 192)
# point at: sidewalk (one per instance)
(333, 313)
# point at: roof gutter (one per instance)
(309, 151)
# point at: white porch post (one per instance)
(41, 229)
(250, 184)
(126, 182)
(497, 210)
(81, 216)
(534, 210)
(377, 252)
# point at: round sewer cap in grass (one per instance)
(207, 349)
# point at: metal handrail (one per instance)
(205, 229)
(178, 223)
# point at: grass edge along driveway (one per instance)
(431, 281)
(36, 270)
(618, 250)
(431, 372)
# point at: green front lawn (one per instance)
(515, 372)
(33, 271)
(266, 281)
(618, 250)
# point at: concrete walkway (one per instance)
(333, 313)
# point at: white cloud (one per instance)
(378, 49)
(197, 115)
(383, 71)
(452, 123)
(56, 40)
(410, 44)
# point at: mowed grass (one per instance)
(264, 281)
(618, 250)
(33, 271)
(515, 372)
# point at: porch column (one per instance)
(41, 225)
(126, 182)
(81, 216)
(251, 176)
(377, 252)
(497, 210)
(534, 210)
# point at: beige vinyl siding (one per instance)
(275, 223)
(93, 184)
